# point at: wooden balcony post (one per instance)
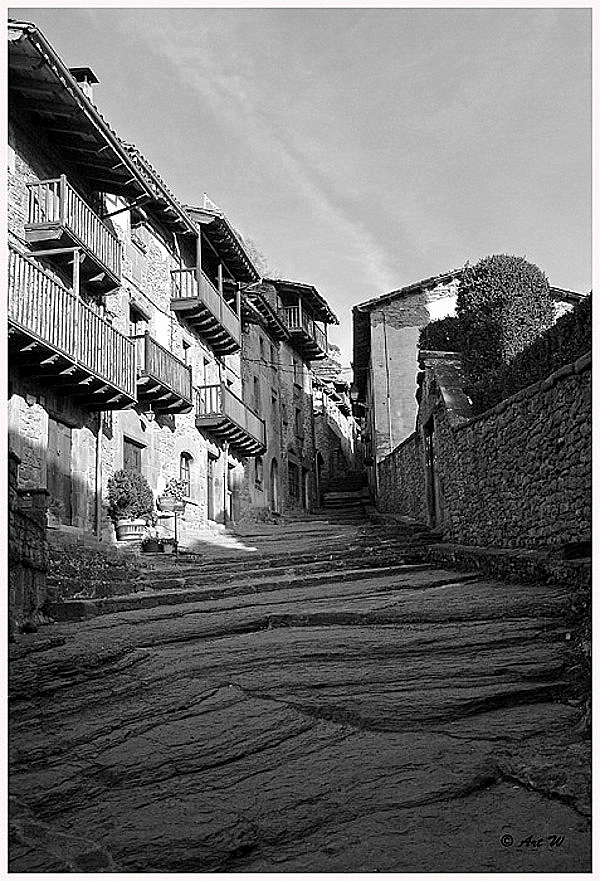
(199, 257)
(300, 323)
(146, 350)
(63, 198)
(220, 279)
(76, 262)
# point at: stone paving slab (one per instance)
(399, 723)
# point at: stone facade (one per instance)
(336, 440)
(516, 476)
(278, 384)
(92, 446)
(65, 445)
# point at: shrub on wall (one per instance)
(559, 345)
(442, 335)
(503, 304)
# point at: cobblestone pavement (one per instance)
(325, 705)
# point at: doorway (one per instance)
(274, 487)
(210, 487)
(60, 443)
(434, 503)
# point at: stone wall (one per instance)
(517, 476)
(27, 549)
(402, 487)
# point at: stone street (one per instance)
(318, 701)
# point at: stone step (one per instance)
(386, 553)
(183, 592)
(217, 578)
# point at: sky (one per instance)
(360, 149)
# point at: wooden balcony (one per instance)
(59, 340)
(59, 219)
(307, 336)
(197, 300)
(223, 414)
(164, 383)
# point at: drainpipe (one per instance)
(99, 478)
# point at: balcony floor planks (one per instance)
(59, 236)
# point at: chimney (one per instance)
(86, 78)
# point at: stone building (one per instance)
(336, 433)
(124, 312)
(285, 331)
(385, 357)
(125, 327)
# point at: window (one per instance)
(258, 472)
(257, 394)
(273, 357)
(132, 455)
(185, 473)
(297, 373)
(261, 347)
(138, 323)
(293, 481)
(274, 398)
(298, 423)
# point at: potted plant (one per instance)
(151, 543)
(173, 496)
(130, 504)
(169, 545)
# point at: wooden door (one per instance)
(210, 488)
(434, 501)
(59, 470)
(274, 487)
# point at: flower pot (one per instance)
(130, 530)
(169, 548)
(152, 547)
(169, 504)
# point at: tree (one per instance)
(503, 304)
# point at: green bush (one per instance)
(129, 496)
(503, 304)
(442, 335)
(559, 345)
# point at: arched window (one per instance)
(185, 472)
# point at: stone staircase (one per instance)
(342, 499)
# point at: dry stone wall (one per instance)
(517, 476)
(402, 488)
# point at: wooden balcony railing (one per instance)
(43, 311)
(54, 206)
(202, 304)
(222, 411)
(296, 319)
(163, 380)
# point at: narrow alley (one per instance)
(313, 698)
